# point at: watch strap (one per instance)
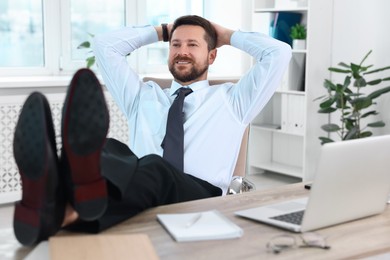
(165, 34)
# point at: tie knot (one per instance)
(183, 91)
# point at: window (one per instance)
(40, 37)
(21, 33)
(82, 20)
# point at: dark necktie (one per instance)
(173, 142)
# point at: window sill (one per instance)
(34, 82)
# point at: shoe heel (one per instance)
(26, 225)
(91, 200)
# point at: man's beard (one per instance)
(193, 74)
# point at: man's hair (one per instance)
(210, 35)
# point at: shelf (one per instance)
(298, 51)
(280, 168)
(273, 128)
(274, 10)
(285, 133)
(291, 92)
(278, 140)
(267, 127)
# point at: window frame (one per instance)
(50, 11)
(57, 42)
(66, 64)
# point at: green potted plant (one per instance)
(298, 35)
(353, 104)
(90, 60)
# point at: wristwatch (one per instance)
(165, 34)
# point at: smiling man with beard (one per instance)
(188, 60)
(101, 181)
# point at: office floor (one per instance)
(8, 245)
(269, 179)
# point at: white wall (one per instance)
(360, 26)
(235, 15)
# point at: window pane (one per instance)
(157, 13)
(93, 17)
(21, 33)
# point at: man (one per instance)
(96, 192)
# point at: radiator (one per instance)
(10, 106)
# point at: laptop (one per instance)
(352, 181)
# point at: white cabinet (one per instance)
(282, 133)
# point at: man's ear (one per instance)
(212, 56)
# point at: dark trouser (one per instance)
(138, 184)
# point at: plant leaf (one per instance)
(347, 82)
(325, 140)
(355, 68)
(327, 103)
(377, 124)
(351, 95)
(379, 92)
(374, 82)
(346, 113)
(339, 70)
(330, 128)
(377, 70)
(369, 114)
(360, 82)
(360, 103)
(365, 134)
(327, 110)
(339, 89)
(84, 45)
(365, 57)
(343, 64)
(329, 85)
(349, 124)
(90, 61)
(365, 68)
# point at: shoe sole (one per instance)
(85, 129)
(40, 212)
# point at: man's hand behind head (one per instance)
(223, 35)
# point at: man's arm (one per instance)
(111, 50)
(256, 87)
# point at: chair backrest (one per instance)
(240, 168)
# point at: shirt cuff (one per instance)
(147, 34)
(237, 39)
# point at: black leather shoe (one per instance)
(85, 122)
(40, 213)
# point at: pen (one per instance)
(193, 220)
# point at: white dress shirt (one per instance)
(215, 116)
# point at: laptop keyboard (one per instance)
(293, 217)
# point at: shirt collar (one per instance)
(194, 86)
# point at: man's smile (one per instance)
(183, 62)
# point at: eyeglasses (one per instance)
(283, 242)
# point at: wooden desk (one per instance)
(357, 239)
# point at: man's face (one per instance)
(189, 57)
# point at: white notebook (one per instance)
(207, 225)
